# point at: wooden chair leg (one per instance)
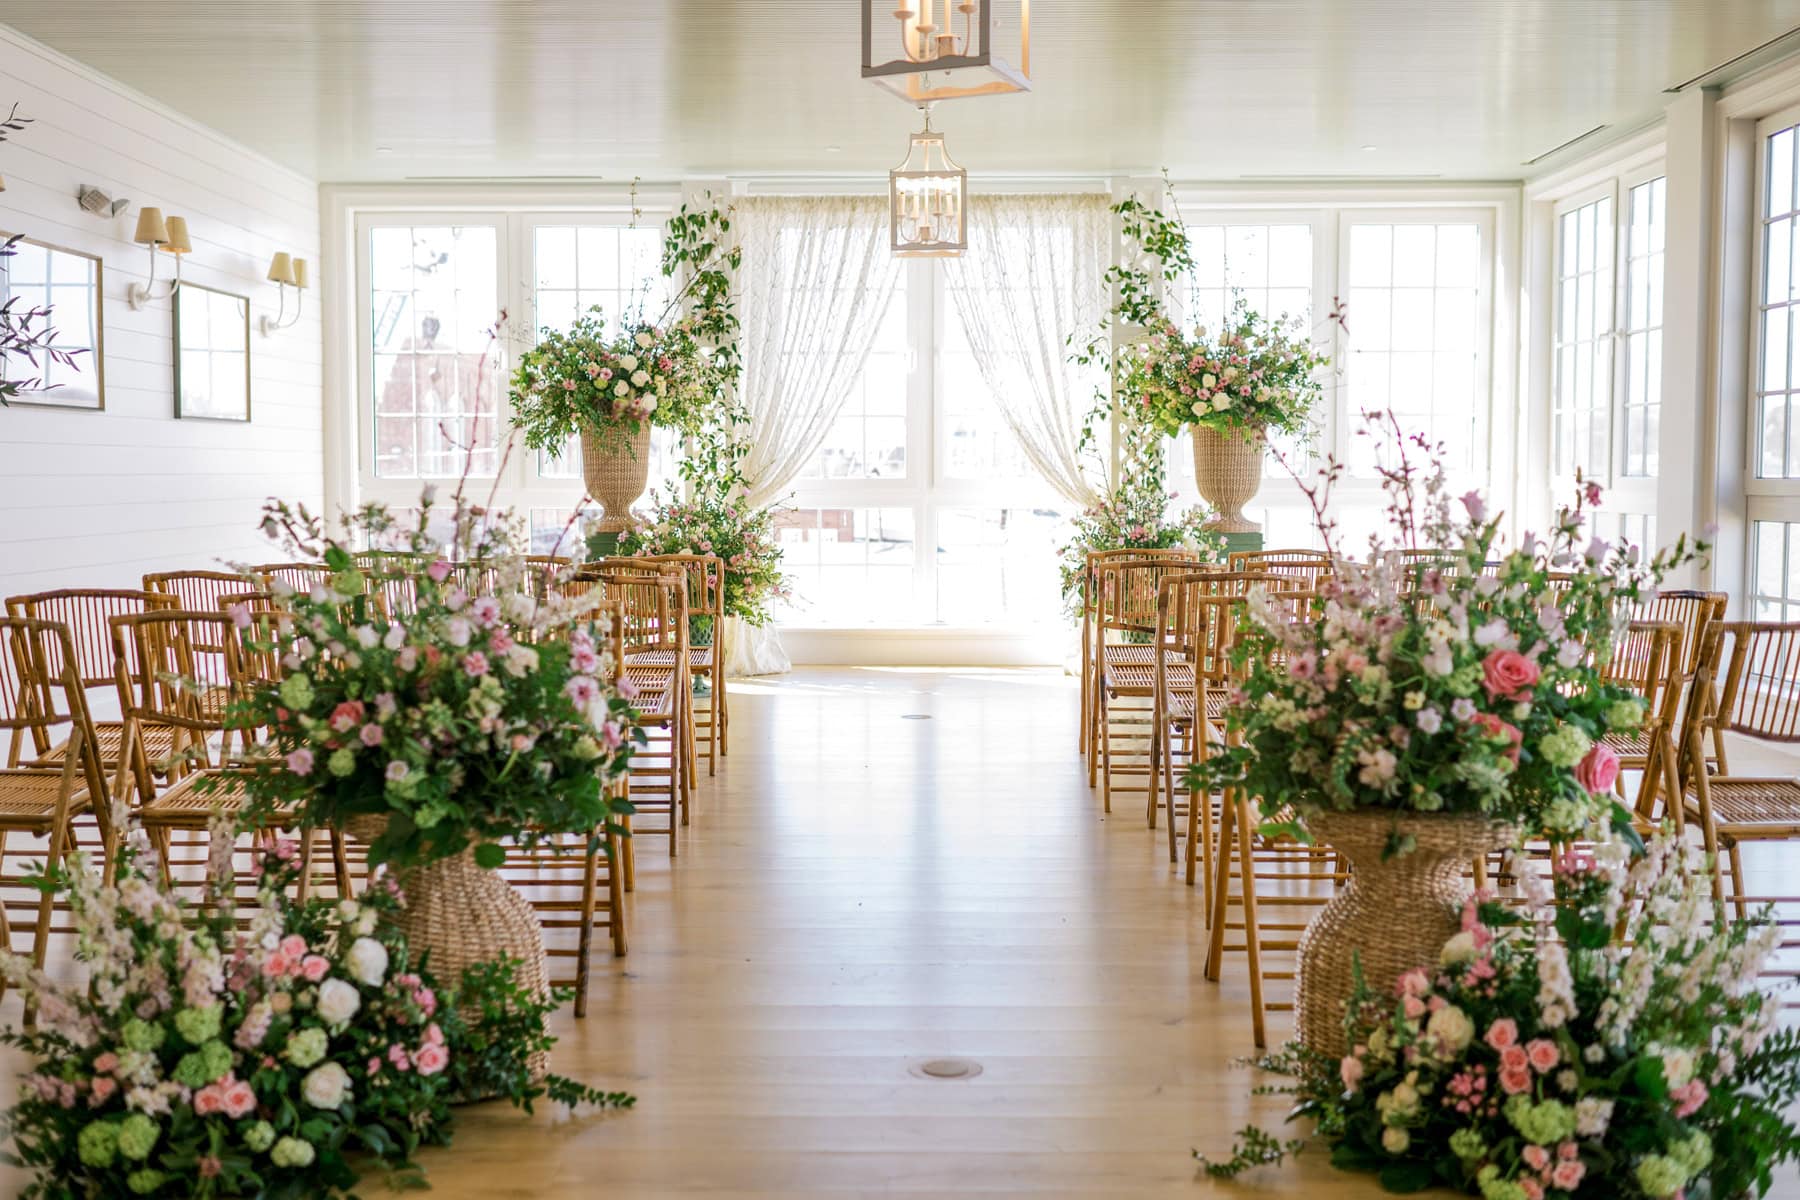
(615, 892)
(585, 936)
(1221, 882)
(1252, 933)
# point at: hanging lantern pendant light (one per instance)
(928, 199)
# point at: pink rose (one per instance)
(1543, 1054)
(347, 716)
(1414, 983)
(239, 1099)
(1599, 770)
(107, 1063)
(431, 1058)
(104, 1087)
(1514, 1082)
(276, 965)
(1413, 1007)
(314, 967)
(209, 1100)
(1532, 1188)
(294, 946)
(1536, 1157)
(432, 1032)
(1508, 675)
(1502, 1033)
(1351, 1071)
(1567, 1175)
(1514, 1058)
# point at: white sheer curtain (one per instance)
(817, 277)
(1031, 279)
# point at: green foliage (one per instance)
(1132, 518)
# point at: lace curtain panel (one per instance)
(1032, 280)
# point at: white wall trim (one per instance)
(927, 647)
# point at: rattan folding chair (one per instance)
(1310, 565)
(299, 576)
(1091, 638)
(37, 663)
(576, 881)
(706, 654)
(1696, 612)
(1647, 660)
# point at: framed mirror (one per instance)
(37, 275)
(212, 354)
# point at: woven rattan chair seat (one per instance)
(655, 704)
(188, 805)
(1630, 746)
(1139, 679)
(1767, 806)
(158, 741)
(28, 797)
(700, 658)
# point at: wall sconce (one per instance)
(171, 237)
(285, 271)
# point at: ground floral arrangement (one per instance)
(283, 1060)
(1132, 518)
(1542, 1056)
(1471, 681)
(742, 536)
(482, 711)
(1253, 374)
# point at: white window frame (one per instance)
(518, 486)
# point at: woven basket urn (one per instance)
(1393, 916)
(462, 914)
(616, 471)
(1228, 472)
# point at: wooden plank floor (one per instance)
(861, 892)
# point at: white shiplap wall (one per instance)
(101, 498)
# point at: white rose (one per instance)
(1199, 408)
(1395, 1140)
(326, 1086)
(640, 378)
(520, 661)
(1221, 402)
(649, 404)
(1459, 949)
(1208, 382)
(621, 388)
(368, 961)
(644, 340)
(338, 1002)
(628, 361)
(1452, 1029)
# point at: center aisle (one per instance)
(860, 893)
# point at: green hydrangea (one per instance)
(1546, 1123)
(198, 1025)
(1464, 680)
(1467, 1144)
(1660, 1175)
(201, 1067)
(137, 1136)
(1625, 714)
(142, 1035)
(1495, 1188)
(1564, 746)
(342, 761)
(305, 1047)
(259, 1137)
(1694, 1152)
(297, 692)
(145, 1181)
(98, 1143)
(348, 583)
(292, 1152)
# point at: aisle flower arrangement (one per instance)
(611, 383)
(1134, 517)
(1540, 1057)
(470, 705)
(198, 1060)
(1250, 376)
(1469, 681)
(713, 523)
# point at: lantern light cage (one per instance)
(947, 49)
(928, 198)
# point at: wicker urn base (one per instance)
(616, 474)
(461, 914)
(1228, 472)
(1393, 915)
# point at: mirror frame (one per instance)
(43, 399)
(175, 336)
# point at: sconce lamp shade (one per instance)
(150, 228)
(300, 279)
(281, 268)
(177, 236)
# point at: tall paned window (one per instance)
(1642, 341)
(1774, 489)
(1581, 395)
(435, 354)
(920, 508)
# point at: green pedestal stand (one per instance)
(1243, 543)
(603, 545)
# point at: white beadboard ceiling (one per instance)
(1213, 89)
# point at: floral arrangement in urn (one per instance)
(1133, 517)
(1537, 1056)
(462, 709)
(195, 1059)
(610, 383)
(1252, 375)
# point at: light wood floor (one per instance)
(861, 892)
